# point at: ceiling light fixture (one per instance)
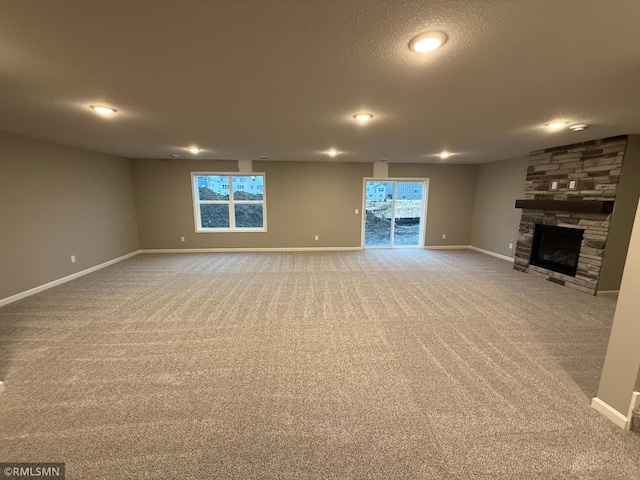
(103, 110)
(363, 117)
(332, 153)
(194, 150)
(427, 42)
(444, 155)
(578, 128)
(556, 125)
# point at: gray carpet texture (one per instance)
(375, 364)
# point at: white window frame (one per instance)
(231, 202)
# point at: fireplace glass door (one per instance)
(556, 248)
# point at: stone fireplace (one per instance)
(566, 211)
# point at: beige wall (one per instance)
(495, 218)
(304, 199)
(450, 203)
(623, 216)
(622, 363)
(58, 201)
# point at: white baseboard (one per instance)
(608, 293)
(248, 250)
(469, 247)
(60, 281)
(447, 247)
(493, 254)
(611, 413)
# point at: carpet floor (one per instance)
(380, 364)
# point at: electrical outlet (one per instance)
(182, 239)
(317, 237)
(444, 236)
(511, 246)
(73, 259)
(357, 211)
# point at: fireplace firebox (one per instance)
(556, 248)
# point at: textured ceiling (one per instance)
(244, 79)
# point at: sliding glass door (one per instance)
(393, 213)
(378, 231)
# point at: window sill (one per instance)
(232, 230)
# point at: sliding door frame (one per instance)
(423, 220)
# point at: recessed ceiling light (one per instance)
(444, 155)
(363, 117)
(556, 125)
(103, 110)
(194, 150)
(332, 153)
(578, 128)
(427, 42)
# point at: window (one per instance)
(223, 203)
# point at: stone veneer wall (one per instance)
(596, 165)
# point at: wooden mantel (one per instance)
(583, 206)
